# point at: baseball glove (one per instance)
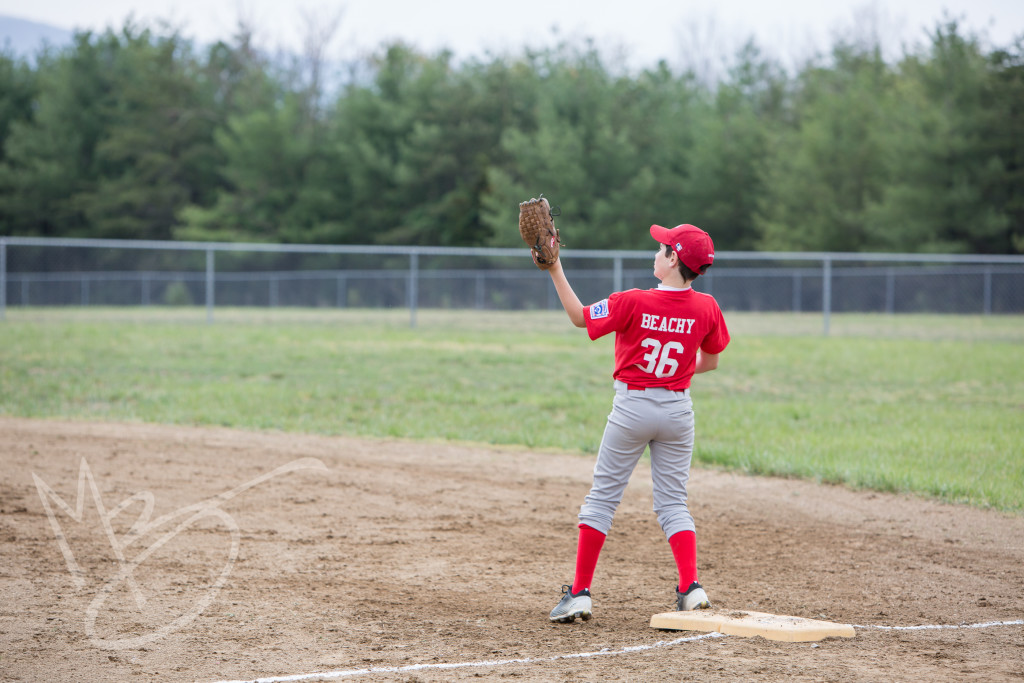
(537, 228)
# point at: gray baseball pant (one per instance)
(663, 420)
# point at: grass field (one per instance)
(932, 405)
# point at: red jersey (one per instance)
(658, 332)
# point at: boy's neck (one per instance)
(676, 279)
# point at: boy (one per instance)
(657, 336)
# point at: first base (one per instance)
(738, 623)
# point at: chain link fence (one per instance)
(41, 272)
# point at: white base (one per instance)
(739, 623)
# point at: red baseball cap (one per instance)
(692, 245)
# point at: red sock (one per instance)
(587, 552)
(684, 549)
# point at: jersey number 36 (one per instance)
(660, 360)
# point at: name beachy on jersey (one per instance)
(660, 323)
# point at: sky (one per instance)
(642, 31)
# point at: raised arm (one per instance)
(570, 302)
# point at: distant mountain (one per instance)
(25, 38)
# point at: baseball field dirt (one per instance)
(145, 552)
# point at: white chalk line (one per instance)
(463, 665)
(939, 627)
(327, 675)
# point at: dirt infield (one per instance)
(361, 554)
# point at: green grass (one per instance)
(931, 405)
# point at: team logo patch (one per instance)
(599, 310)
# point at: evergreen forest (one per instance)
(138, 134)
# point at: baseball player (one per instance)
(663, 337)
